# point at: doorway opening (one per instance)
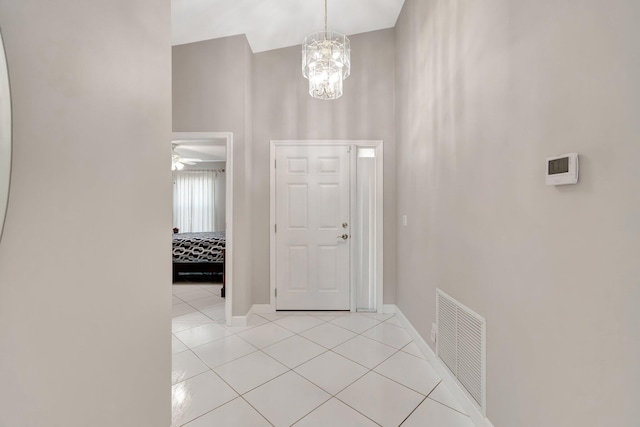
(326, 225)
(207, 160)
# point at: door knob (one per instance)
(343, 237)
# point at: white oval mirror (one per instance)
(5, 135)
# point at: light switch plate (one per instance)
(404, 220)
(434, 332)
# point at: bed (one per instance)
(199, 253)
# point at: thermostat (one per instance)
(562, 170)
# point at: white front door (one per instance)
(312, 227)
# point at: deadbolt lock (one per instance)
(345, 225)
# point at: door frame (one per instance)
(379, 268)
(228, 258)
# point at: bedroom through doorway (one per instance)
(201, 164)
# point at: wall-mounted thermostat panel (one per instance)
(563, 169)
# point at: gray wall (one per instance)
(485, 91)
(283, 109)
(85, 281)
(212, 93)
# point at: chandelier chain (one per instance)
(326, 13)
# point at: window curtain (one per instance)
(199, 201)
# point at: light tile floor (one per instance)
(303, 369)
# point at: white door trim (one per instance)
(379, 282)
(228, 261)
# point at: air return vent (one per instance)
(461, 345)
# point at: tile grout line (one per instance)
(445, 405)
(411, 413)
(256, 409)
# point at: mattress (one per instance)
(198, 247)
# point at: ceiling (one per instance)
(207, 150)
(273, 24)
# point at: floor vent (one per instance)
(461, 345)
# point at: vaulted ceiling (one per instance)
(273, 24)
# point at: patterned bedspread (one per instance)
(198, 247)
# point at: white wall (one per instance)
(485, 91)
(85, 282)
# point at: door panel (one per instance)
(298, 207)
(312, 203)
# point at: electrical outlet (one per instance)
(434, 332)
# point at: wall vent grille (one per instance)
(461, 345)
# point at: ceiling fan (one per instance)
(178, 162)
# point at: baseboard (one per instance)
(388, 308)
(263, 308)
(255, 309)
(242, 320)
(469, 407)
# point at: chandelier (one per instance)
(326, 61)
